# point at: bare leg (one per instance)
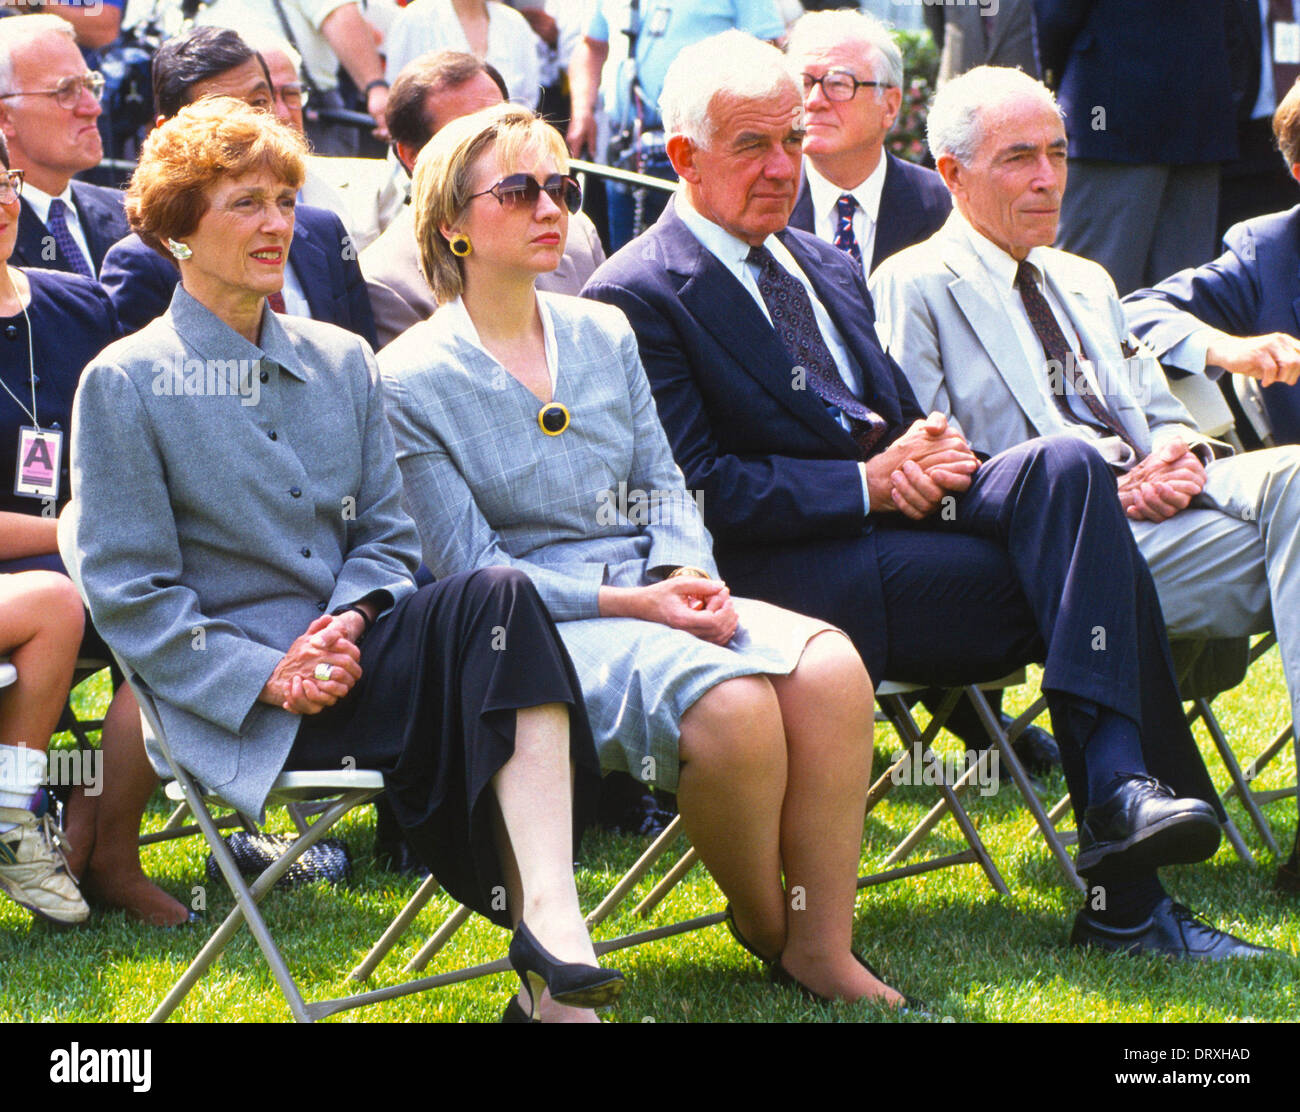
(40, 630)
(729, 792)
(113, 874)
(826, 706)
(534, 793)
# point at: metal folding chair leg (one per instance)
(632, 877)
(247, 898)
(1201, 709)
(900, 715)
(398, 927)
(1026, 789)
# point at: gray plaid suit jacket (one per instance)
(209, 533)
(567, 510)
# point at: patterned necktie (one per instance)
(1058, 352)
(845, 240)
(276, 301)
(57, 222)
(796, 325)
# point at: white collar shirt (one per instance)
(825, 197)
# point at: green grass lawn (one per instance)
(944, 937)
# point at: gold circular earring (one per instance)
(179, 250)
(460, 245)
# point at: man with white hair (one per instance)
(49, 112)
(1012, 339)
(855, 195)
(828, 490)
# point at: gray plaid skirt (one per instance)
(639, 678)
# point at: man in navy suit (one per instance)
(323, 279)
(1241, 311)
(855, 195)
(49, 112)
(827, 490)
(1146, 88)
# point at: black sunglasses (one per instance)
(525, 189)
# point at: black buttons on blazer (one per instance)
(295, 492)
(306, 553)
(273, 435)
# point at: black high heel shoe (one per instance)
(571, 984)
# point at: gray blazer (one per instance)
(487, 487)
(400, 297)
(939, 316)
(224, 497)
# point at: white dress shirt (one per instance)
(733, 253)
(826, 220)
(1001, 269)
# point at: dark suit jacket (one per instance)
(914, 204)
(1251, 289)
(1127, 57)
(102, 217)
(782, 491)
(140, 282)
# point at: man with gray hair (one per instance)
(1012, 340)
(49, 113)
(855, 195)
(828, 490)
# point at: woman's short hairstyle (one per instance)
(1286, 126)
(203, 143)
(444, 179)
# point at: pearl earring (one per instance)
(179, 250)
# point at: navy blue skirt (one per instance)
(443, 674)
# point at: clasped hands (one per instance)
(1163, 483)
(918, 470)
(331, 640)
(699, 606)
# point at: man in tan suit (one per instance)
(429, 93)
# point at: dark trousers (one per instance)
(1035, 562)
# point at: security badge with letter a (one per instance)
(40, 453)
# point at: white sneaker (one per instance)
(33, 870)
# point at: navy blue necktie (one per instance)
(57, 222)
(792, 315)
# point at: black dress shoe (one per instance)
(515, 1013)
(741, 940)
(570, 983)
(1171, 930)
(1141, 825)
(1036, 748)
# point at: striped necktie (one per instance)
(845, 240)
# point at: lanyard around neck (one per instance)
(31, 370)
